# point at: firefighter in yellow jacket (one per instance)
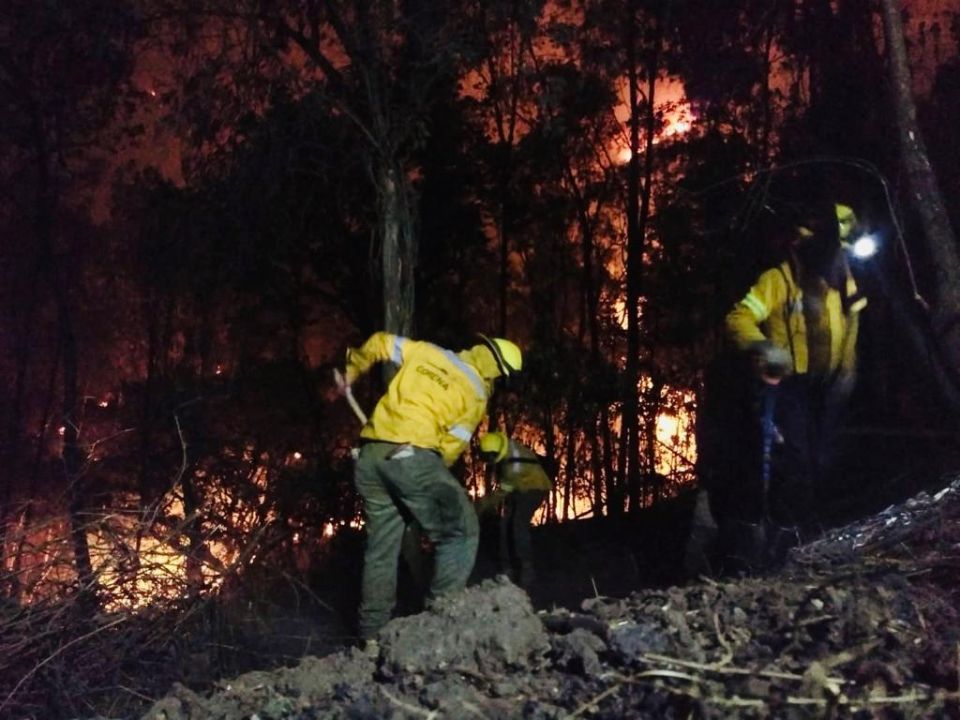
(765, 445)
(801, 317)
(416, 432)
(522, 486)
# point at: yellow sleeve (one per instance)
(859, 300)
(456, 437)
(848, 357)
(744, 320)
(379, 347)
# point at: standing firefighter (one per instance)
(416, 432)
(772, 409)
(522, 486)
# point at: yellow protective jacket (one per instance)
(436, 399)
(520, 470)
(773, 310)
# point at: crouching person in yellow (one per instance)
(416, 432)
(522, 485)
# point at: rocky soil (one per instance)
(862, 623)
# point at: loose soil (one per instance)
(861, 623)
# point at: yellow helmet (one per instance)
(846, 220)
(507, 354)
(495, 444)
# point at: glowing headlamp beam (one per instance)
(864, 247)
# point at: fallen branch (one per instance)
(594, 701)
(429, 714)
(653, 659)
(54, 654)
(909, 698)
(727, 647)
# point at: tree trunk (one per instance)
(398, 250)
(925, 192)
(638, 213)
(73, 458)
(12, 449)
(590, 321)
(72, 455)
(570, 474)
(596, 467)
(30, 479)
(652, 412)
(629, 421)
(613, 489)
(551, 448)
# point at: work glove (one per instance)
(771, 362)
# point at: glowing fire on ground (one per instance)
(141, 555)
(330, 528)
(674, 455)
(145, 555)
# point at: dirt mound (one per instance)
(861, 624)
(487, 629)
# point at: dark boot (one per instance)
(699, 553)
(779, 541)
(747, 552)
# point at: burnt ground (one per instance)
(861, 623)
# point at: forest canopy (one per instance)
(204, 203)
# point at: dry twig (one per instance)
(59, 650)
(429, 714)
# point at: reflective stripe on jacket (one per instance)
(521, 470)
(435, 401)
(773, 310)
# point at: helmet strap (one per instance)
(501, 365)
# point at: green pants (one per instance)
(398, 480)
(516, 546)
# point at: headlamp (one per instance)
(864, 247)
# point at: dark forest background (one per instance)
(204, 203)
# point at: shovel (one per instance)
(354, 405)
(768, 434)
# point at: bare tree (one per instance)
(925, 191)
(378, 64)
(639, 193)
